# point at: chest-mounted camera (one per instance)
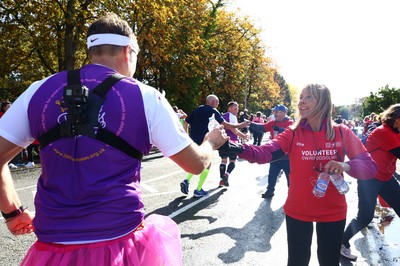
(75, 98)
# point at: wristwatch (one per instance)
(14, 213)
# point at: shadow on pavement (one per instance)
(171, 207)
(184, 201)
(254, 236)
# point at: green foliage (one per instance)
(41, 37)
(189, 49)
(378, 102)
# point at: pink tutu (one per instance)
(157, 243)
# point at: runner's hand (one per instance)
(21, 224)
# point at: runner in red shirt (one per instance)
(383, 143)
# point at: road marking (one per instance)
(153, 190)
(148, 188)
(164, 176)
(161, 193)
(23, 188)
(191, 205)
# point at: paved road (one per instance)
(233, 226)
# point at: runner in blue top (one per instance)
(198, 121)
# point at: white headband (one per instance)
(113, 39)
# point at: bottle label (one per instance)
(322, 185)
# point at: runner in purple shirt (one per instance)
(89, 208)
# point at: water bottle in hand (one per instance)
(212, 123)
(322, 185)
(339, 183)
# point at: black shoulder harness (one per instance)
(89, 126)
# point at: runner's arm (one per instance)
(195, 158)
(20, 223)
(9, 200)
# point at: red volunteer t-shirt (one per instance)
(308, 149)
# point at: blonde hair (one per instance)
(322, 110)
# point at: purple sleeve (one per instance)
(362, 166)
(259, 154)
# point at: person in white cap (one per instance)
(89, 208)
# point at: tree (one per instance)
(172, 48)
(378, 102)
(187, 48)
(41, 38)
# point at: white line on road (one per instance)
(23, 188)
(191, 205)
(162, 193)
(164, 176)
(153, 190)
(148, 188)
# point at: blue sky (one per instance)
(353, 46)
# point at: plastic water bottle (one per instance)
(212, 122)
(339, 183)
(322, 185)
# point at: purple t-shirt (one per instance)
(89, 191)
(228, 118)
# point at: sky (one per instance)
(351, 46)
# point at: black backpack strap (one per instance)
(95, 104)
(48, 137)
(87, 129)
(73, 78)
(103, 134)
(119, 143)
(102, 89)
